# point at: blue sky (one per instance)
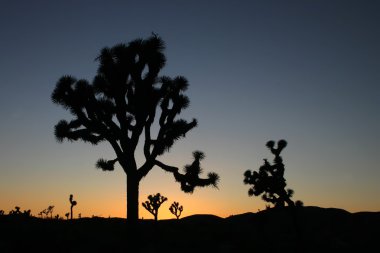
(305, 71)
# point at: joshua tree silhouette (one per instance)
(121, 105)
(67, 215)
(176, 209)
(50, 210)
(270, 180)
(153, 204)
(73, 203)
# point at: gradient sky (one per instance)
(305, 71)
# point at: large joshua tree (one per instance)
(121, 105)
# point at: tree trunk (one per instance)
(132, 198)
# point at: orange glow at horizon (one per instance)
(116, 208)
(202, 201)
(103, 194)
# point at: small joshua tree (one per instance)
(270, 181)
(153, 204)
(49, 210)
(176, 209)
(67, 215)
(73, 203)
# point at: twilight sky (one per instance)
(305, 71)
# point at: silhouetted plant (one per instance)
(16, 211)
(121, 105)
(153, 204)
(56, 217)
(1, 212)
(67, 215)
(176, 209)
(48, 211)
(79, 215)
(299, 203)
(270, 181)
(73, 203)
(27, 213)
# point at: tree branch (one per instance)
(148, 139)
(167, 168)
(189, 180)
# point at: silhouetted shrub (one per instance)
(27, 213)
(17, 212)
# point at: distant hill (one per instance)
(307, 229)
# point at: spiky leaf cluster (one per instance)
(106, 165)
(269, 181)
